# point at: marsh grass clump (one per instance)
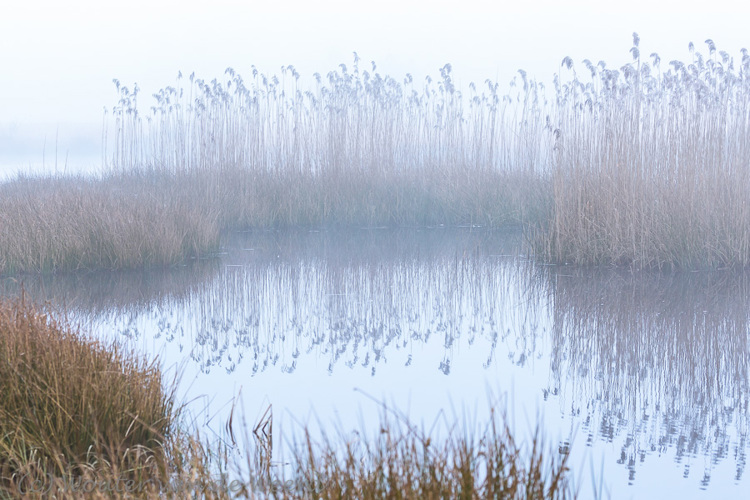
(399, 460)
(144, 218)
(137, 220)
(71, 407)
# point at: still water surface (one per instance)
(642, 377)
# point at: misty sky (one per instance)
(58, 58)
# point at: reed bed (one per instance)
(146, 217)
(359, 148)
(644, 165)
(82, 420)
(118, 221)
(640, 165)
(653, 165)
(349, 121)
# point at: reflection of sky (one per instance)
(430, 321)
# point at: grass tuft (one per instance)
(71, 407)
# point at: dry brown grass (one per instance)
(402, 461)
(71, 406)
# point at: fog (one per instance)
(58, 59)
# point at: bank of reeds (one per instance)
(82, 420)
(118, 221)
(653, 164)
(350, 121)
(644, 165)
(145, 218)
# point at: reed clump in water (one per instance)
(652, 166)
(116, 221)
(359, 148)
(146, 217)
(641, 165)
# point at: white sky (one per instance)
(58, 58)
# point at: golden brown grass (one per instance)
(401, 461)
(71, 407)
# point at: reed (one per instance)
(640, 165)
(643, 165)
(400, 460)
(117, 221)
(350, 121)
(358, 148)
(145, 218)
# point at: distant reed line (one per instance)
(644, 166)
(351, 120)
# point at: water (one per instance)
(643, 377)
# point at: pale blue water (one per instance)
(646, 374)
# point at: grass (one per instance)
(118, 221)
(147, 218)
(72, 407)
(401, 461)
(80, 419)
(644, 165)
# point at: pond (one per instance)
(641, 376)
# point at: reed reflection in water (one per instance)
(655, 362)
(651, 368)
